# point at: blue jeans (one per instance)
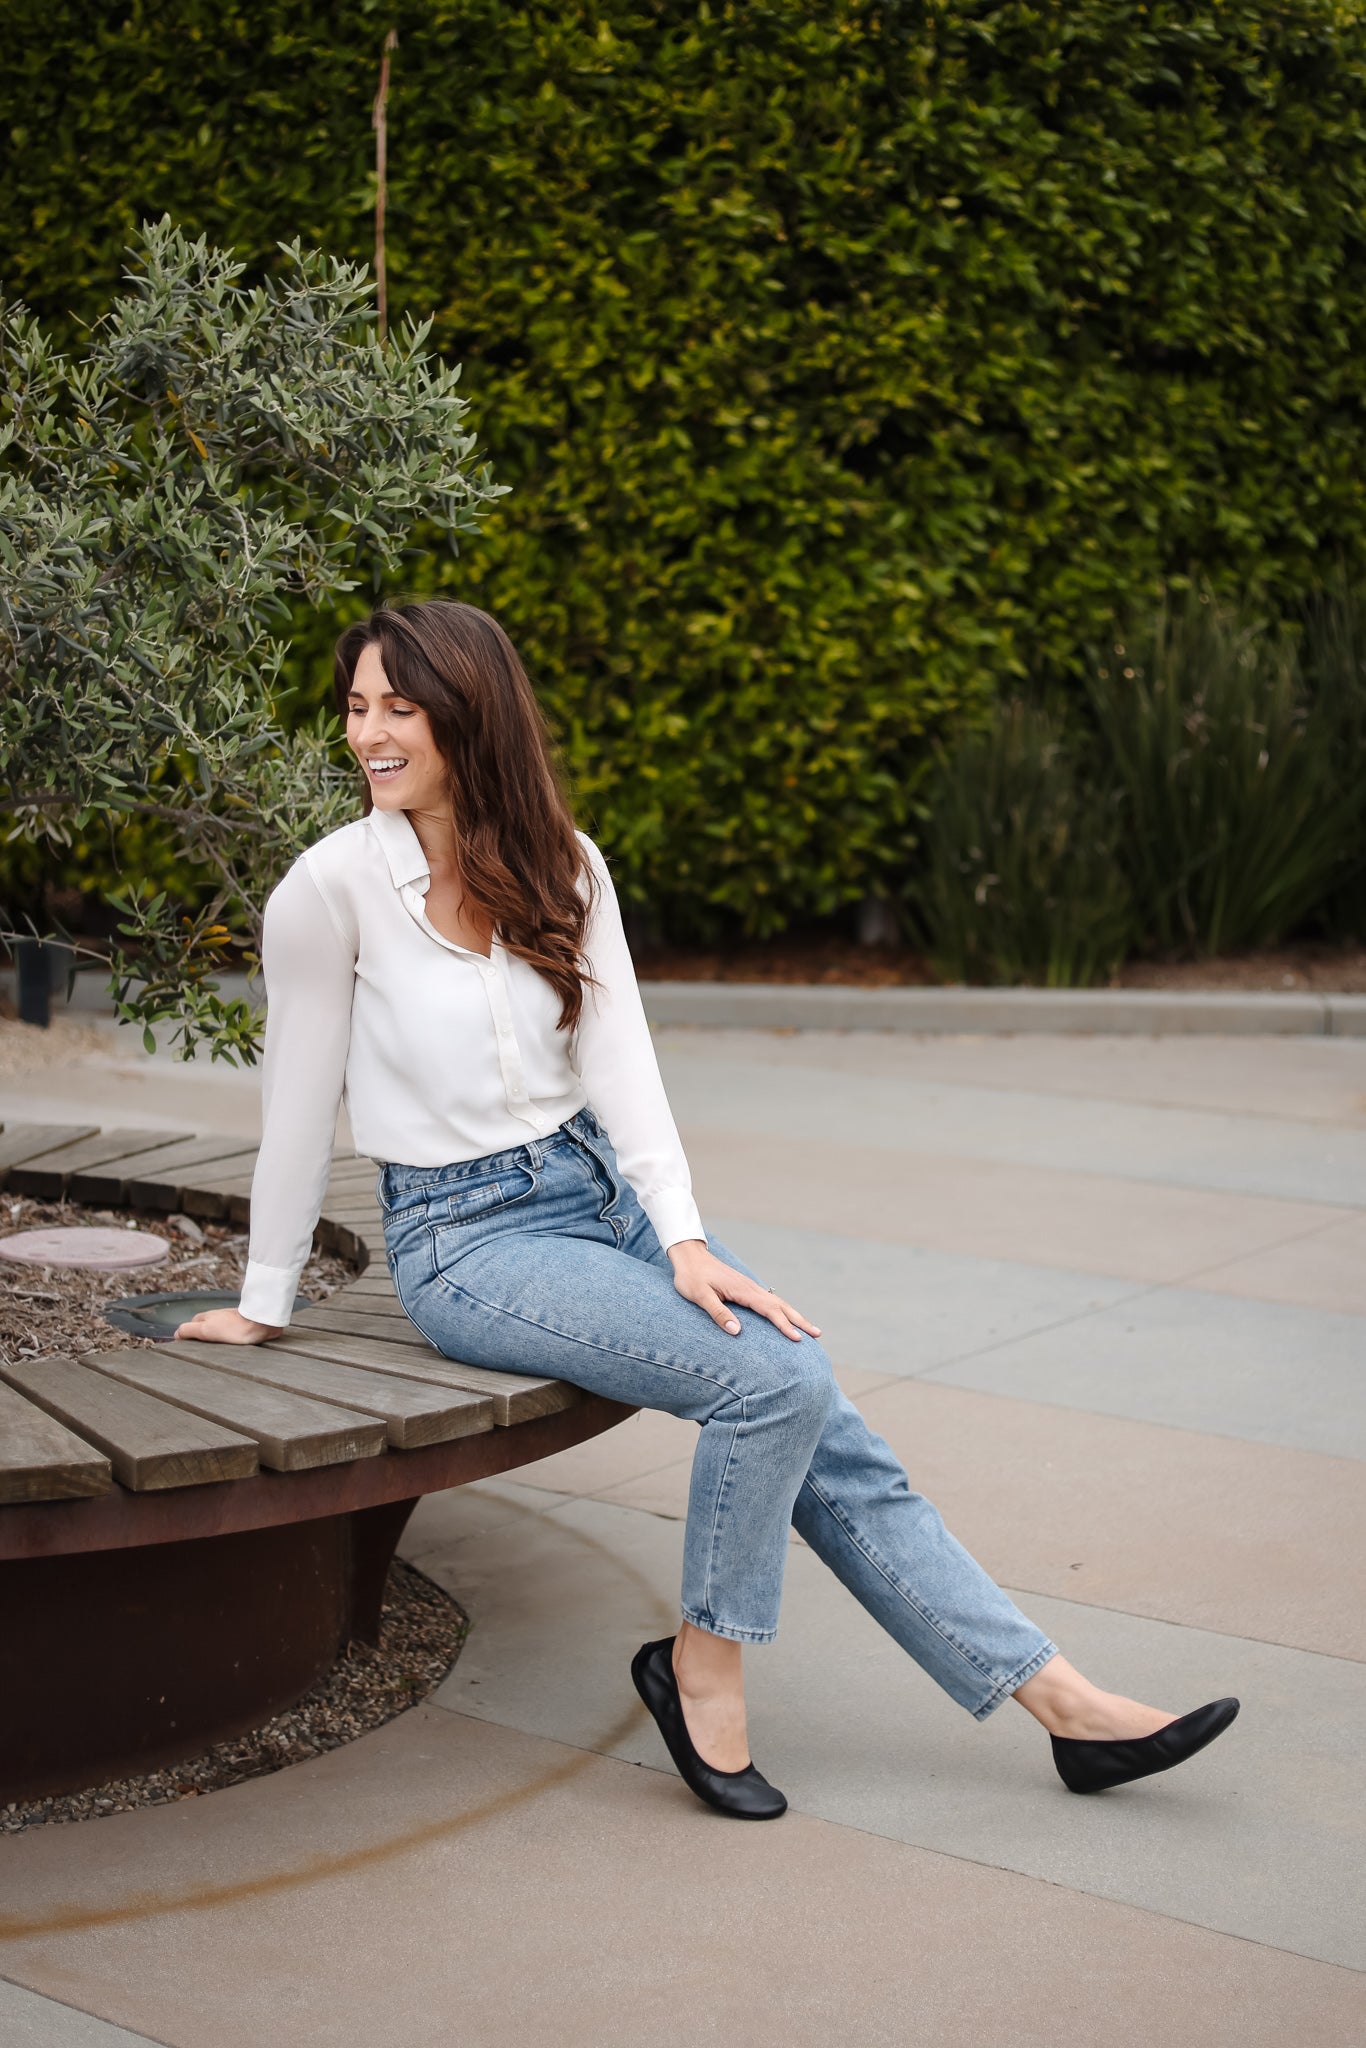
(541, 1260)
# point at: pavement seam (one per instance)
(923, 1849)
(566, 1500)
(67, 2005)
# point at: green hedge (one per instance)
(850, 362)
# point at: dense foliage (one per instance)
(1212, 798)
(212, 452)
(851, 361)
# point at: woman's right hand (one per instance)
(227, 1326)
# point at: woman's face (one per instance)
(392, 740)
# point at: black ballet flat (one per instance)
(1097, 1766)
(745, 1795)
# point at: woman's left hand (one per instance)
(701, 1277)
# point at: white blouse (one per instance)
(439, 1053)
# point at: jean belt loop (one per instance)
(535, 1157)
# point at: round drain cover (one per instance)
(84, 1245)
(160, 1315)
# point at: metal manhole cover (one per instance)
(160, 1315)
(81, 1244)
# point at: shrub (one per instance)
(1018, 879)
(850, 363)
(1240, 812)
(212, 453)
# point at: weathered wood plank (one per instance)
(292, 1433)
(41, 1459)
(353, 1239)
(158, 1183)
(359, 1299)
(516, 1397)
(149, 1443)
(19, 1142)
(48, 1174)
(360, 1322)
(360, 1174)
(207, 1190)
(413, 1413)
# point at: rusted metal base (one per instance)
(135, 1628)
(112, 1669)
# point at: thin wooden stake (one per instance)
(379, 121)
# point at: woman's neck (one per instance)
(436, 836)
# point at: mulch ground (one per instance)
(59, 1308)
(1337, 970)
(422, 1631)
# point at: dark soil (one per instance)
(58, 1308)
(422, 1631)
(1339, 970)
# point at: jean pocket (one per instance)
(471, 1201)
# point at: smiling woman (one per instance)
(442, 718)
(453, 966)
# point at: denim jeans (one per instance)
(541, 1260)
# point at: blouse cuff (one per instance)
(674, 1214)
(268, 1294)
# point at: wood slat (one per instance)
(41, 1459)
(158, 1184)
(150, 1444)
(369, 1293)
(205, 1192)
(109, 1183)
(516, 1398)
(292, 1432)
(19, 1142)
(358, 1321)
(48, 1174)
(355, 1238)
(413, 1413)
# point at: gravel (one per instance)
(422, 1631)
(45, 1309)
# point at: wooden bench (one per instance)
(190, 1535)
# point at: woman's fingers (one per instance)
(225, 1326)
(720, 1311)
(772, 1306)
(780, 1313)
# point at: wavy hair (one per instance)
(519, 859)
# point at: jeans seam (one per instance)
(708, 1625)
(717, 1508)
(902, 1592)
(1006, 1686)
(587, 1343)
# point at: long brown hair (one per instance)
(519, 860)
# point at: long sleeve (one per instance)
(616, 1062)
(309, 967)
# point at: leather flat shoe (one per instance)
(745, 1795)
(1096, 1766)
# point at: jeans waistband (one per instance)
(577, 1129)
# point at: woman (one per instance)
(453, 965)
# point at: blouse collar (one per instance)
(401, 846)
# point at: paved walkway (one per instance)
(1108, 1300)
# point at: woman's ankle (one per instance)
(707, 1666)
(709, 1674)
(1069, 1706)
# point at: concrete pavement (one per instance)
(1106, 1298)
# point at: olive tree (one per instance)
(217, 454)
